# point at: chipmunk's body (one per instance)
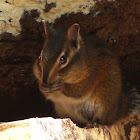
(80, 76)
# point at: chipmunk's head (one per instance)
(61, 57)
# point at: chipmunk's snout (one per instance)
(44, 79)
(48, 78)
(45, 75)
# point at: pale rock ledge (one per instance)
(11, 11)
(63, 129)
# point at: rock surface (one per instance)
(62, 129)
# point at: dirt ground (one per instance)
(117, 24)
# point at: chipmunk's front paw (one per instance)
(99, 126)
(92, 125)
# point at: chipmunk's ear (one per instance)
(45, 29)
(74, 35)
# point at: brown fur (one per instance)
(87, 87)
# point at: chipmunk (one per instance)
(80, 75)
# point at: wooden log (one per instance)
(61, 129)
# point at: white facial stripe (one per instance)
(56, 68)
(41, 55)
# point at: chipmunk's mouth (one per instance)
(50, 88)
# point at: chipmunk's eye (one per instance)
(63, 60)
